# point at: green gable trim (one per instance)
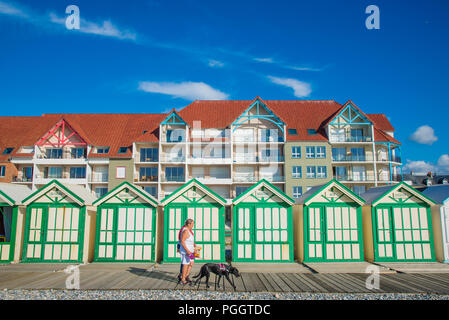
(142, 194)
(56, 184)
(410, 189)
(9, 201)
(351, 108)
(273, 188)
(346, 190)
(174, 195)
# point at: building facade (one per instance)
(226, 145)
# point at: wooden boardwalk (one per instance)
(148, 277)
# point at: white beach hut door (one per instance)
(35, 239)
(105, 241)
(174, 226)
(207, 231)
(384, 233)
(134, 234)
(62, 241)
(445, 219)
(314, 234)
(244, 233)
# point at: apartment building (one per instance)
(227, 145)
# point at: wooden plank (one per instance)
(290, 282)
(269, 283)
(435, 277)
(253, 283)
(34, 276)
(398, 284)
(99, 280)
(313, 286)
(54, 281)
(116, 282)
(328, 278)
(430, 286)
(281, 282)
(356, 283)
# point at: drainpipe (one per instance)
(374, 157)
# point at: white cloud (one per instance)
(11, 10)
(424, 135)
(300, 89)
(419, 167)
(306, 68)
(266, 60)
(423, 167)
(215, 63)
(186, 90)
(105, 28)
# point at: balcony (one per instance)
(272, 159)
(245, 158)
(351, 158)
(145, 179)
(272, 178)
(343, 139)
(242, 177)
(99, 178)
(180, 179)
(396, 159)
(355, 178)
(213, 180)
(168, 158)
(209, 160)
(22, 180)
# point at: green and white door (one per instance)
(208, 229)
(262, 225)
(126, 225)
(54, 234)
(332, 221)
(403, 233)
(126, 234)
(333, 233)
(195, 201)
(402, 225)
(263, 234)
(8, 218)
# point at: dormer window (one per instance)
(311, 132)
(8, 151)
(123, 150)
(292, 132)
(102, 150)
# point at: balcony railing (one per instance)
(351, 158)
(350, 139)
(99, 178)
(63, 155)
(272, 178)
(173, 179)
(22, 179)
(245, 159)
(167, 158)
(272, 159)
(355, 178)
(148, 179)
(250, 177)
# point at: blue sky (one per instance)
(150, 56)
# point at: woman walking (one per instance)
(186, 250)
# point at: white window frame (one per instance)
(295, 173)
(296, 155)
(311, 175)
(297, 194)
(310, 155)
(121, 176)
(320, 152)
(321, 172)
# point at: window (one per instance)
(296, 152)
(78, 173)
(176, 135)
(27, 174)
(2, 171)
(297, 192)
(321, 172)
(102, 150)
(78, 153)
(148, 174)
(54, 153)
(123, 150)
(358, 154)
(337, 135)
(100, 192)
(292, 132)
(356, 135)
(321, 152)
(174, 174)
(341, 173)
(53, 172)
(338, 154)
(311, 132)
(240, 190)
(8, 150)
(311, 172)
(270, 135)
(149, 155)
(120, 173)
(296, 172)
(310, 152)
(358, 190)
(151, 190)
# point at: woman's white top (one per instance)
(189, 242)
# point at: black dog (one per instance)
(220, 270)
